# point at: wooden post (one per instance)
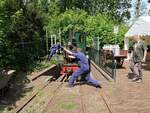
(60, 36)
(46, 41)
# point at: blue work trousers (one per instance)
(80, 72)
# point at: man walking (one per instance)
(139, 54)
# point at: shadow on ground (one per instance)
(146, 66)
(20, 87)
(15, 92)
(131, 75)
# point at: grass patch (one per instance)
(40, 65)
(3, 111)
(65, 106)
(69, 105)
(70, 97)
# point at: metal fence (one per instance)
(105, 60)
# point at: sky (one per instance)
(144, 3)
(146, 6)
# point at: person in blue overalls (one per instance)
(84, 68)
(53, 50)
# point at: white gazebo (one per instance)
(140, 27)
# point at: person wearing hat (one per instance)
(83, 69)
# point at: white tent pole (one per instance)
(126, 43)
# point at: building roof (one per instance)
(140, 27)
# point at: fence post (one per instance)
(114, 69)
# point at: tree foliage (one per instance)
(114, 9)
(94, 25)
(100, 26)
(70, 19)
(6, 54)
(22, 25)
(23, 35)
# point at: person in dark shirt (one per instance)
(139, 54)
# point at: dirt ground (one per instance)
(129, 97)
(123, 96)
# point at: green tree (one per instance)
(100, 26)
(94, 25)
(6, 53)
(76, 4)
(22, 32)
(114, 9)
(69, 21)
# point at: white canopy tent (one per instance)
(140, 27)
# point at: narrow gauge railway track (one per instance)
(62, 80)
(83, 107)
(30, 98)
(105, 98)
(106, 101)
(56, 90)
(52, 97)
(102, 97)
(53, 78)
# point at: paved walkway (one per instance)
(126, 96)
